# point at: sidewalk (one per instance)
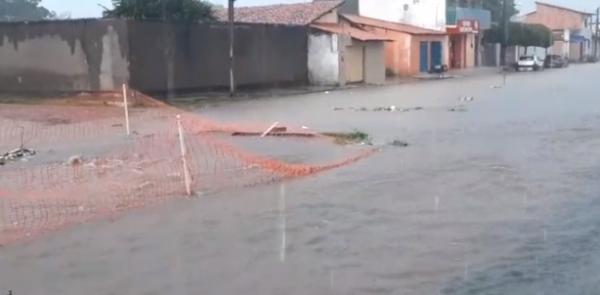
(307, 89)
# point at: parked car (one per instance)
(529, 62)
(555, 61)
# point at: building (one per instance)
(338, 53)
(430, 14)
(412, 50)
(572, 29)
(465, 27)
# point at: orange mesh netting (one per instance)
(113, 172)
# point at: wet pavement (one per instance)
(497, 194)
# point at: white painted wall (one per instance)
(323, 59)
(423, 13)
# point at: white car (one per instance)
(531, 62)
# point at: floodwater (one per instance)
(499, 196)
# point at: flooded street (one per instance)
(494, 195)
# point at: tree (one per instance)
(182, 10)
(494, 6)
(521, 34)
(23, 10)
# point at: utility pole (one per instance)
(231, 47)
(505, 21)
(597, 39)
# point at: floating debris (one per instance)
(391, 108)
(75, 160)
(399, 143)
(16, 154)
(344, 138)
(467, 99)
(457, 109)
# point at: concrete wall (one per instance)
(398, 54)
(100, 55)
(63, 56)
(423, 13)
(575, 52)
(374, 63)
(330, 17)
(180, 57)
(323, 59)
(491, 55)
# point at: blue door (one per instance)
(436, 53)
(424, 57)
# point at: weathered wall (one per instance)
(323, 59)
(100, 55)
(63, 56)
(398, 54)
(470, 50)
(181, 57)
(374, 63)
(330, 17)
(491, 55)
(555, 18)
(424, 13)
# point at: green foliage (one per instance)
(23, 10)
(521, 34)
(496, 7)
(344, 138)
(180, 10)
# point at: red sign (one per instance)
(464, 26)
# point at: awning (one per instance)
(578, 39)
(351, 31)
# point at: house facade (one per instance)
(465, 27)
(572, 29)
(412, 50)
(337, 53)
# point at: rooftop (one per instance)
(285, 14)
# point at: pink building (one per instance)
(572, 29)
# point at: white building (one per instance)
(429, 14)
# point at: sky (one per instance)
(92, 8)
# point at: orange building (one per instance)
(412, 49)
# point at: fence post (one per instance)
(126, 106)
(186, 172)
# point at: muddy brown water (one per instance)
(501, 198)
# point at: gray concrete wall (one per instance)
(179, 57)
(63, 56)
(374, 63)
(323, 59)
(491, 55)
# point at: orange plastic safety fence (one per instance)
(116, 172)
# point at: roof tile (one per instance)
(285, 14)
